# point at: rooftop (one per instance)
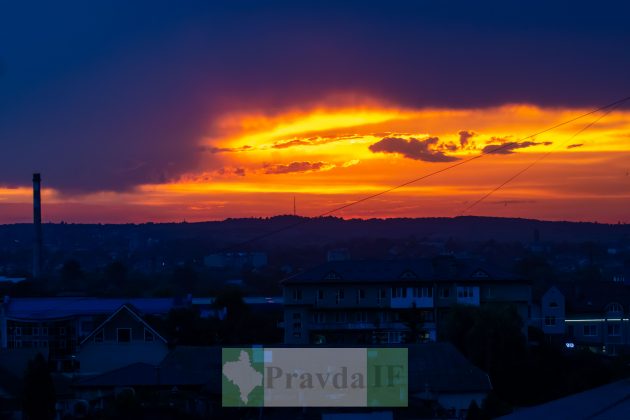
(426, 269)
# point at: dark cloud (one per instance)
(296, 167)
(85, 86)
(313, 140)
(573, 146)
(213, 149)
(412, 148)
(510, 147)
(464, 137)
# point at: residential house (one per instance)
(594, 316)
(122, 339)
(59, 324)
(371, 302)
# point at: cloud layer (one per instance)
(413, 149)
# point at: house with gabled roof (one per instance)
(122, 339)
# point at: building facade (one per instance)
(386, 302)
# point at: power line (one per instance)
(528, 167)
(423, 177)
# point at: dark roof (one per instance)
(136, 374)
(433, 367)
(425, 269)
(134, 312)
(63, 307)
(611, 401)
(183, 366)
(594, 297)
(441, 368)
(193, 366)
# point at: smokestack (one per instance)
(37, 222)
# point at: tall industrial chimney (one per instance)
(37, 222)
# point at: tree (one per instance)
(414, 321)
(38, 400)
(71, 275)
(116, 274)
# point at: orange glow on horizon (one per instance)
(255, 163)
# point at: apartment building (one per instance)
(383, 302)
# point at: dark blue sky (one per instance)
(108, 95)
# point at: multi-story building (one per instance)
(594, 316)
(376, 302)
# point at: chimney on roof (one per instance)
(37, 222)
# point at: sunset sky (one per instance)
(211, 110)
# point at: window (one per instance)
(339, 295)
(148, 335)
(489, 293)
(297, 325)
(590, 330)
(361, 316)
(360, 294)
(332, 276)
(445, 292)
(123, 335)
(297, 294)
(44, 330)
(35, 331)
(465, 292)
(319, 317)
(382, 295)
(615, 308)
(614, 330)
(399, 292)
(320, 294)
(340, 317)
(422, 292)
(550, 321)
(18, 331)
(99, 337)
(62, 330)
